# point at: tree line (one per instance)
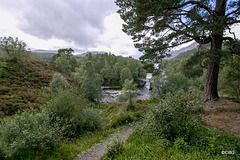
(93, 71)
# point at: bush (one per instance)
(121, 120)
(172, 83)
(176, 116)
(28, 131)
(58, 82)
(181, 145)
(115, 148)
(67, 110)
(129, 93)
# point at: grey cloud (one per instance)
(78, 21)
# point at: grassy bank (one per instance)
(173, 129)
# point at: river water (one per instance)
(111, 95)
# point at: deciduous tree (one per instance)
(125, 74)
(91, 83)
(14, 48)
(62, 63)
(129, 92)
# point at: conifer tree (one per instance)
(156, 26)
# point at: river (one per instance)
(111, 94)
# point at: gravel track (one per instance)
(100, 149)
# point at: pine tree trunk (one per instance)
(210, 90)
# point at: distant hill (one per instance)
(187, 51)
(92, 52)
(175, 53)
(45, 54)
(192, 51)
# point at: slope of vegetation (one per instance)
(20, 84)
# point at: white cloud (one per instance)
(115, 40)
(74, 22)
(236, 30)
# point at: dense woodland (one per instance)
(93, 71)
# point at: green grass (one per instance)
(77, 147)
(141, 146)
(173, 131)
(117, 114)
(69, 149)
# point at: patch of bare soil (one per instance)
(224, 115)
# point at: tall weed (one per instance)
(115, 148)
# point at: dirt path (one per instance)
(100, 150)
(224, 115)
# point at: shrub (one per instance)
(172, 83)
(58, 82)
(180, 144)
(67, 110)
(121, 120)
(176, 116)
(129, 93)
(28, 131)
(115, 148)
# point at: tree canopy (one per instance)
(67, 51)
(114, 69)
(156, 26)
(17, 49)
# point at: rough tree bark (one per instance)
(210, 90)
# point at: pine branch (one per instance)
(198, 4)
(233, 22)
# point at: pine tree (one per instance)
(157, 26)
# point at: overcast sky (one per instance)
(84, 25)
